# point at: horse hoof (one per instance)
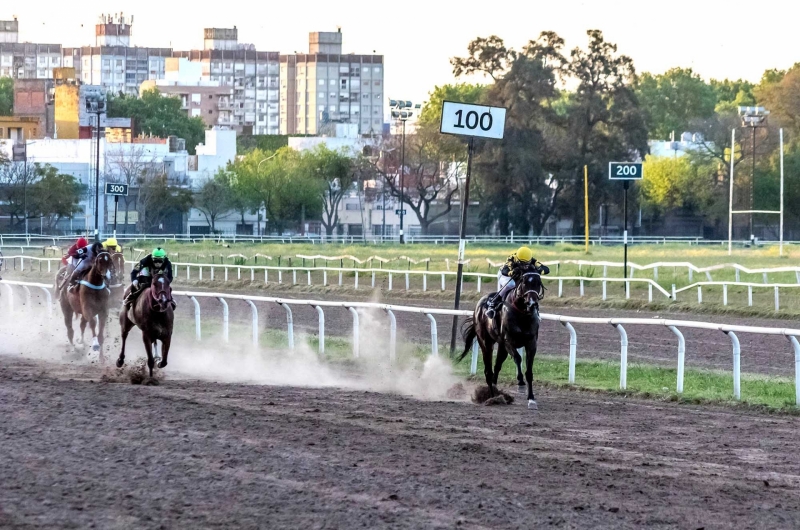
(532, 405)
(120, 362)
(162, 364)
(522, 389)
(95, 347)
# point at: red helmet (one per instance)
(82, 242)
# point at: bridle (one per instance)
(160, 305)
(538, 294)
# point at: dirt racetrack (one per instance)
(79, 453)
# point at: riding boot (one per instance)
(490, 306)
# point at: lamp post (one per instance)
(402, 111)
(96, 105)
(753, 117)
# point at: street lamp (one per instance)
(753, 117)
(96, 104)
(402, 111)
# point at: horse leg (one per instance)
(502, 354)
(125, 327)
(486, 348)
(156, 356)
(101, 330)
(67, 311)
(165, 342)
(148, 347)
(93, 327)
(530, 353)
(83, 328)
(518, 361)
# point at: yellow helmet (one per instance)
(524, 254)
(111, 243)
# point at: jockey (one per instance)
(72, 254)
(154, 263)
(111, 245)
(517, 264)
(85, 257)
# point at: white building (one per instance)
(253, 106)
(75, 157)
(24, 60)
(112, 62)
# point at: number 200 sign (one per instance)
(625, 171)
(473, 120)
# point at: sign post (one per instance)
(464, 119)
(626, 172)
(116, 190)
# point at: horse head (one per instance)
(529, 291)
(104, 265)
(161, 293)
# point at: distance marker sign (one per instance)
(116, 189)
(480, 121)
(625, 171)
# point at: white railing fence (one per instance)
(568, 323)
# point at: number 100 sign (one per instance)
(473, 120)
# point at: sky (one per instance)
(718, 39)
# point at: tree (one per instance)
(132, 167)
(16, 183)
(56, 196)
(334, 176)
(780, 94)
(158, 199)
(6, 96)
(431, 113)
(213, 198)
(733, 94)
(429, 177)
(671, 183)
(673, 99)
(157, 115)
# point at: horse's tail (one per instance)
(469, 334)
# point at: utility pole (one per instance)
(97, 106)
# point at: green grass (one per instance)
(700, 386)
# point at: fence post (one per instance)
(27, 296)
(581, 287)
(434, 336)
(356, 285)
(737, 276)
(604, 289)
(655, 273)
(796, 346)
(699, 294)
(224, 318)
(212, 274)
(649, 292)
(674, 293)
(473, 365)
(765, 278)
(777, 300)
(294, 276)
(749, 296)
(737, 366)
(197, 334)
(48, 301)
(443, 284)
(390, 281)
(560, 288)
(355, 331)
(308, 277)
(226, 274)
(266, 275)
(252, 275)
(406, 281)
(201, 274)
(627, 288)
(724, 294)
(681, 356)
(340, 278)
(623, 356)
(325, 278)
(573, 349)
(392, 335)
(254, 311)
(321, 316)
(289, 324)
(479, 284)
(238, 273)
(280, 276)
(424, 282)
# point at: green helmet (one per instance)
(159, 253)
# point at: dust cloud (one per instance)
(30, 333)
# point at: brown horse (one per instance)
(89, 299)
(152, 313)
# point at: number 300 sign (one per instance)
(473, 120)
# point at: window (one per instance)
(195, 112)
(210, 96)
(377, 83)
(196, 98)
(333, 82)
(333, 95)
(343, 84)
(322, 95)
(352, 206)
(210, 111)
(377, 69)
(378, 96)
(321, 82)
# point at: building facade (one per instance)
(253, 105)
(326, 87)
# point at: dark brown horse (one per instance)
(89, 299)
(515, 326)
(152, 313)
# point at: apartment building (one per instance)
(24, 60)
(326, 87)
(112, 62)
(253, 106)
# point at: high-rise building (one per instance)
(253, 106)
(326, 87)
(112, 62)
(24, 60)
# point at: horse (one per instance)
(152, 313)
(117, 283)
(516, 326)
(89, 299)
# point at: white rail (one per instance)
(568, 322)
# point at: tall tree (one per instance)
(158, 200)
(6, 96)
(157, 115)
(731, 94)
(780, 94)
(334, 174)
(56, 196)
(431, 113)
(213, 198)
(673, 99)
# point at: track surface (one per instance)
(78, 453)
